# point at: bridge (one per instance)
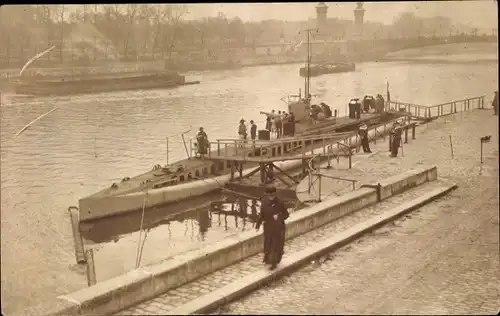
(373, 48)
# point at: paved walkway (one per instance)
(431, 146)
(442, 259)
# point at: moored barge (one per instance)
(327, 68)
(82, 84)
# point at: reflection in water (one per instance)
(118, 247)
(214, 213)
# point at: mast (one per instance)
(307, 79)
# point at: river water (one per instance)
(92, 141)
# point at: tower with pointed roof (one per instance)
(359, 14)
(321, 16)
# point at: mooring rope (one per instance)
(140, 231)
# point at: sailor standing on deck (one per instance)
(352, 109)
(268, 122)
(358, 109)
(202, 143)
(292, 119)
(242, 132)
(253, 131)
(279, 125)
(273, 122)
(366, 104)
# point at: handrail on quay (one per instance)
(316, 172)
(230, 147)
(426, 112)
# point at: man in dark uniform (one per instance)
(363, 133)
(395, 139)
(273, 214)
(358, 109)
(292, 119)
(253, 131)
(366, 104)
(202, 143)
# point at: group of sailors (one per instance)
(369, 104)
(394, 140)
(243, 131)
(275, 125)
(280, 124)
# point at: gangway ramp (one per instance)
(283, 149)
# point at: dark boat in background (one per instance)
(326, 68)
(76, 84)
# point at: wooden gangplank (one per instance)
(292, 148)
(263, 159)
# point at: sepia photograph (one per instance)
(250, 158)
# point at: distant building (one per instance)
(321, 16)
(359, 14)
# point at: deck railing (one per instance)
(425, 112)
(231, 148)
(228, 147)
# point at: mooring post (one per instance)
(309, 182)
(262, 173)
(481, 151)
(413, 127)
(390, 141)
(350, 160)
(319, 185)
(451, 146)
(167, 150)
(328, 156)
(77, 237)
(232, 170)
(91, 277)
(406, 134)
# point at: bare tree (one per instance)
(130, 15)
(61, 34)
(172, 26)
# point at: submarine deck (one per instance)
(149, 179)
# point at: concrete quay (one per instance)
(239, 279)
(146, 283)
